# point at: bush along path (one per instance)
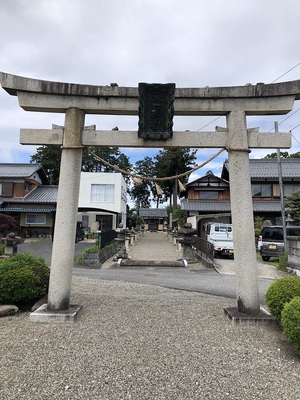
(283, 301)
(24, 279)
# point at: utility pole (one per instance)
(281, 193)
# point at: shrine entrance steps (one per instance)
(154, 249)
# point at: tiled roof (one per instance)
(153, 212)
(18, 170)
(29, 210)
(42, 194)
(206, 205)
(224, 206)
(268, 168)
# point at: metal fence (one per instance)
(203, 248)
(107, 237)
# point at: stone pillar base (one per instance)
(44, 315)
(236, 317)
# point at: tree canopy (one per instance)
(283, 154)
(293, 204)
(50, 156)
(167, 163)
(173, 162)
(141, 192)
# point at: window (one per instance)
(261, 190)
(101, 193)
(208, 195)
(276, 190)
(221, 228)
(105, 222)
(6, 189)
(289, 189)
(35, 219)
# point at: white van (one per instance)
(220, 236)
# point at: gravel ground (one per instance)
(140, 342)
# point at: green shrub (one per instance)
(94, 249)
(2, 249)
(283, 259)
(24, 279)
(290, 321)
(281, 292)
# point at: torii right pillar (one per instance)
(242, 214)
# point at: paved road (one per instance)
(219, 282)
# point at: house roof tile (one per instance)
(153, 212)
(40, 194)
(224, 206)
(18, 170)
(268, 168)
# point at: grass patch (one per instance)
(274, 261)
(95, 248)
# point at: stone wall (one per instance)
(293, 264)
(96, 259)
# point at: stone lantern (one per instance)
(187, 240)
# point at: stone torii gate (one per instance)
(76, 100)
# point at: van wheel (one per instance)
(265, 258)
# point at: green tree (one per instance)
(50, 156)
(143, 191)
(171, 163)
(294, 155)
(293, 204)
(133, 219)
(258, 221)
(283, 154)
(177, 213)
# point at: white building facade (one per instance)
(102, 201)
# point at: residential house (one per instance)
(102, 200)
(26, 195)
(208, 198)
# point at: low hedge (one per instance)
(24, 279)
(280, 292)
(290, 321)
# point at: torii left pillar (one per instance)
(58, 307)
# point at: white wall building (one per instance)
(102, 200)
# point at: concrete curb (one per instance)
(151, 263)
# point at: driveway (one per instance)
(265, 271)
(219, 281)
(43, 248)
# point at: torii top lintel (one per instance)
(56, 97)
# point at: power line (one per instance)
(295, 138)
(286, 72)
(289, 116)
(295, 127)
(209, 123)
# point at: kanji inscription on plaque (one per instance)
(156, 110)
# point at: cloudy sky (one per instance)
(193, 43)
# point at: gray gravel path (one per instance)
(145, 342)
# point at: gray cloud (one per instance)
(194, 43)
